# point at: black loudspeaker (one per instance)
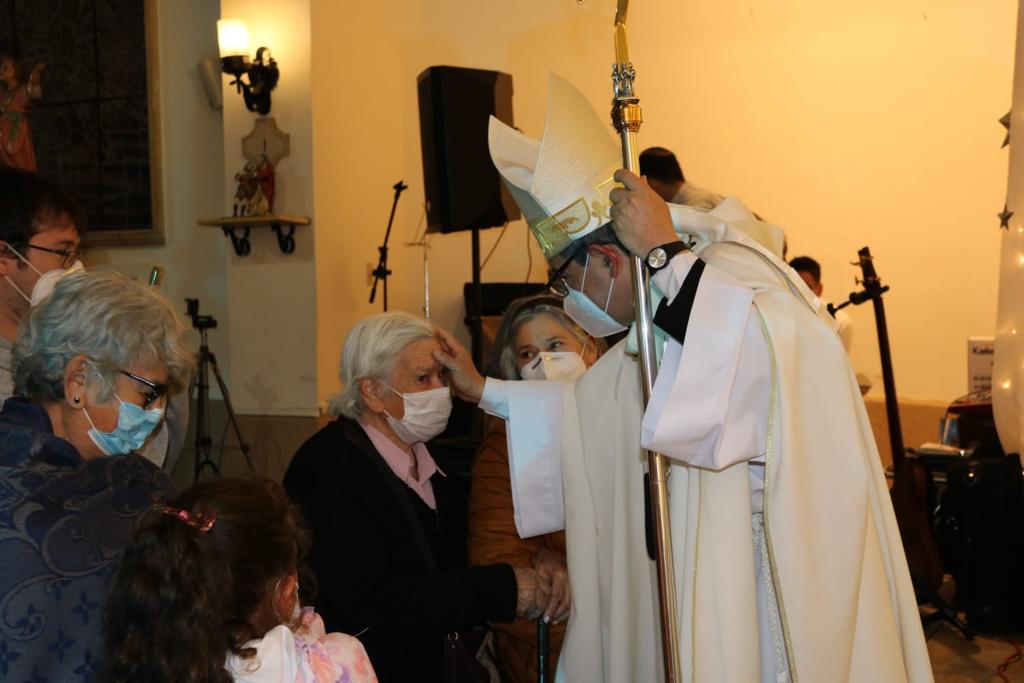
(463, 189)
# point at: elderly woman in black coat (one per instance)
(389, 527)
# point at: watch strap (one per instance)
(670, 249)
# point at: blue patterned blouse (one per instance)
(63, 523)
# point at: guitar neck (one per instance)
(892, 408)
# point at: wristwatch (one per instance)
(659, 257)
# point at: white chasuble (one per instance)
(758, 410)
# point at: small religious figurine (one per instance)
(255, 193)
(16, 99)
(246, 189)
(265, 179)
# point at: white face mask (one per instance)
(595, 321)
(564, 366)
(426, 414)
(46, 282)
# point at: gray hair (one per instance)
(523, 311)
(112, 320)
(370, 351)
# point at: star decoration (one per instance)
(1005, 121)
(1004, 218)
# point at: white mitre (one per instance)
(561, 183)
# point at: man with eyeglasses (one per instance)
(788, 561)
(41, 229)
(40, 232)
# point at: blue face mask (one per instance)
(134, 425)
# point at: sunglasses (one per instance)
(156, 390)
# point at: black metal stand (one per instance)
(873, 291)
(201, 391)
(381, 272)
(474, 319)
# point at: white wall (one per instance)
(272, 295)
(193, 257)
(849, 125)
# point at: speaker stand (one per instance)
(473, 317)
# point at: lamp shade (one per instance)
(233, 37)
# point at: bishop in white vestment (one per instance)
(789, 564)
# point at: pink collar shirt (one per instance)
(399, 462)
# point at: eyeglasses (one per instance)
(557, 284)
(156, 390)
(68, 256)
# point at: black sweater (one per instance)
(372, 576)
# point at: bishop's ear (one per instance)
(610, 256)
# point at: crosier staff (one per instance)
(627, 117)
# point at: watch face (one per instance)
(657, 258)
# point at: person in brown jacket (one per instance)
(536, 340)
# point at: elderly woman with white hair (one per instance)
(389, 528)
(92, 366)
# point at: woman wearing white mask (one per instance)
(536, 341)
(389, 527)
(92, 365)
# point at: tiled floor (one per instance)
(956, 660)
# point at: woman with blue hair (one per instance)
(92, 364)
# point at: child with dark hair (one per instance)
(208, 591)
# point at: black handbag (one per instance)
(470, 656)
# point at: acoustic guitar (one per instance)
(912, 488)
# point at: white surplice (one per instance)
(762, 418)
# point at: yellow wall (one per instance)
(871, 123)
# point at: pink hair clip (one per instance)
(196, 520)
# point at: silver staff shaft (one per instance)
(627, 117)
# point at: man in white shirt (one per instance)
(810, 271)
(665, 176)
(789, 562)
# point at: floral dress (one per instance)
(306, 654)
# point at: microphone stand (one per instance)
(381, 272)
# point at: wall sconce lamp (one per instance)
(233, 37)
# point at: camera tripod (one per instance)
(200, 390)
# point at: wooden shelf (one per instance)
(283, 227)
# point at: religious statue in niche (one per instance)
(16, 99)
(264, 147)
